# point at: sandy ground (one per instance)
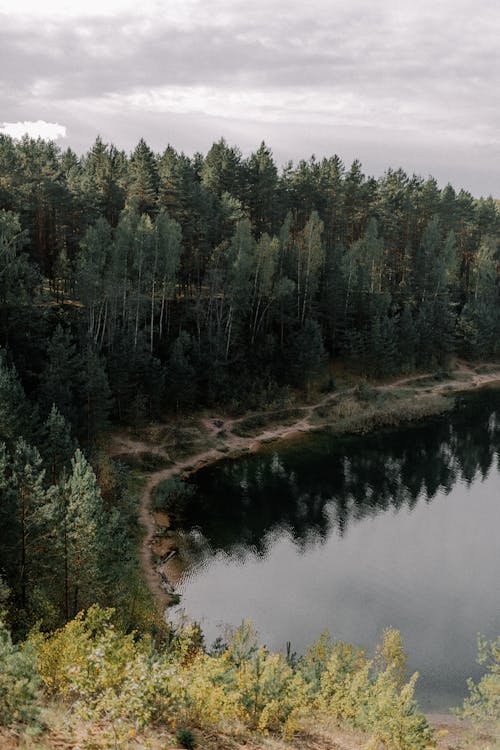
(161, 578)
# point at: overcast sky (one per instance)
(411, 83)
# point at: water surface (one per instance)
(400, 528)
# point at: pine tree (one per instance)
(142, 189)
(261, 177)
(82, 537)
(181, 375)
(28, 497)
(407, 341)
(59, 377)
(58, 445)
(307, 354)
(19, 279)
(16, 413)
(95, 396)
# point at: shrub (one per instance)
(85, 656)
(19, 682)
(172, 495)
(185, 738)
(366, 392)
(370, 695)
(482, 707)
(120, 683)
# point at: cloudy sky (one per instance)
(411, 83)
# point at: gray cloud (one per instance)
(391, 82)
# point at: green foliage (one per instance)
(60, 375)
(181, 375)
(372, 695)
(170, 281)
(125, 681)
(482, 706)
(58, 444)
(172, 495)
(186, 738)
(95, 395)
(307, 353)
(19, 682)
(15, 410)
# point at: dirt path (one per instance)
(158, 544)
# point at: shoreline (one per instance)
(356, 410)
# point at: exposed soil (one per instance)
(450, 735)
(160, 545)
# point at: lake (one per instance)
(400, 528)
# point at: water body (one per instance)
(400, 528)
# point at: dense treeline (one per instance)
(208, 278)
(131, 285)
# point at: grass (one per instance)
(144, 461)
(351, 413)
(484, 369)
(254, 424)
(178, 438)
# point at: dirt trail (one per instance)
(158, 544)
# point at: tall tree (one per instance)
(82, 524)
(142, 189)
(310, 256)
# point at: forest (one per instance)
(151, 284)
(138, 287)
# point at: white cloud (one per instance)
(49, 131)
(51, 10)
(364, 77)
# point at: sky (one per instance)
(393, 83)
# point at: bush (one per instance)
(185, 738)
(366, 392)
(172, 495)
(370, 695)
(19, 682)
(482, 707)
(121, 683)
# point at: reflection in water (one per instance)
(321, 484)
(343, 534)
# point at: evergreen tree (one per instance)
(407, 341)
(95, 395)
(16, 413)
(181, 375)
(58, 445)
(221, 171)
(137, 380)
(83, 537)
(59, 377)
(28, 501)
(142, 189)
(307, 354)
(260, 196)
(19, 279)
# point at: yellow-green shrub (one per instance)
(85, 656)
(115, 679)
(344, 683)
(482, 707)
(272, 695)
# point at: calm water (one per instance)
(401, 528)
